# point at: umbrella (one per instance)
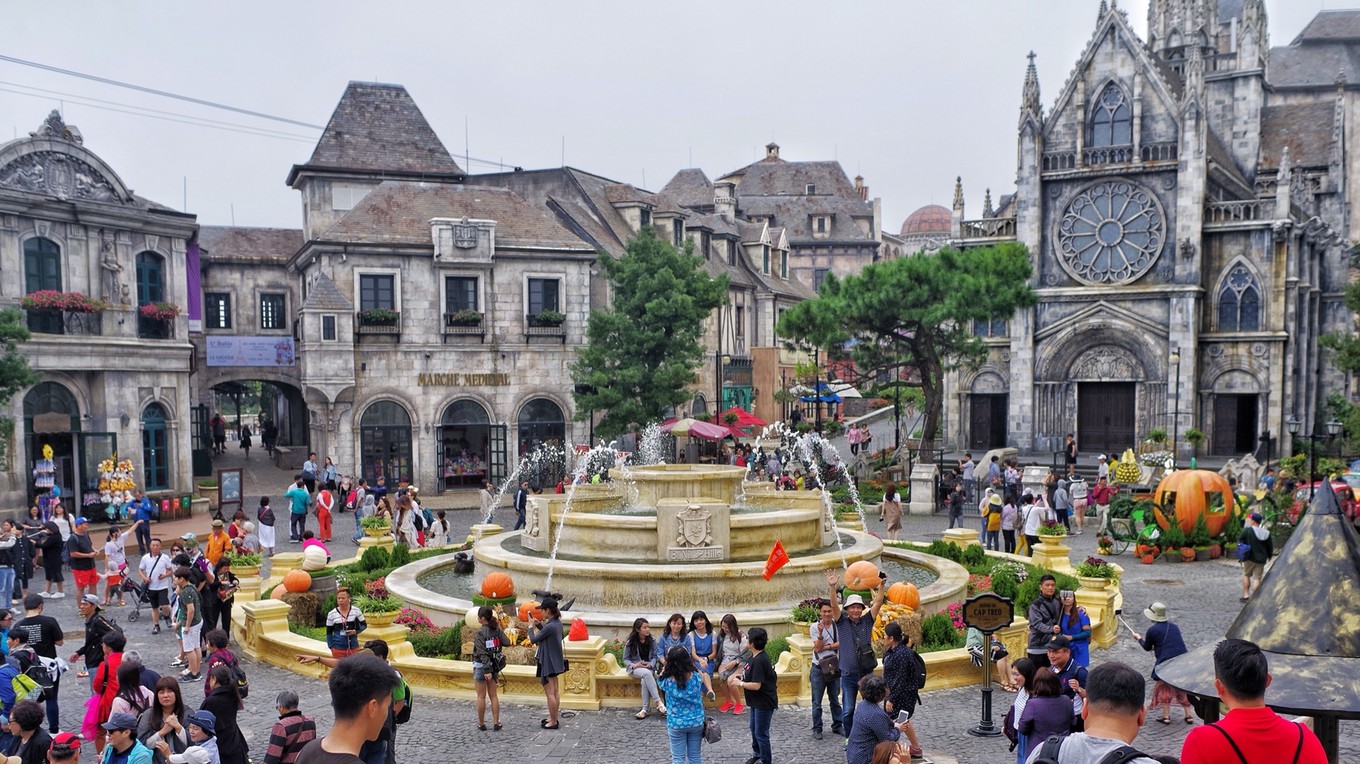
(745, 418)
(825, 395)
(695, 428)
(845, 390)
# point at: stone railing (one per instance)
(1238, 212)
(1056, 161)
(1159, 152)
(1107, 155)
(988, 228)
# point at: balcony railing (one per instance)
(1238, 212)
(388, 322)
(988, 228)
(534, 326)
(155, 328)
(1054, 161)
(65, 322)
(458, 324)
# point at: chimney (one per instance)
(725, 200)
(772, 150)
(861, 189)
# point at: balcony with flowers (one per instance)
(156, 320)
(53, 312)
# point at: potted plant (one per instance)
(1104, 544)
(731, 418)
(379, 611)
(1095, 573)
(376, 527)
(549, 318)
(58, 302)
(804, 613)
(1052, 532)
(380, 316)
(466, 318)
(1173, 538)
(159, 311)
(1156, 435)
(1194, 437)
(207, 488)
(246, 563)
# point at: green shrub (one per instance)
(1029, 588)
(973, 555)
(401, 555)
(442, 643)
(311, 632)
(937, 630)
(775, 646)
(615, 648)
(944, 549)
(325, 610)
(375, 557)
(1006, 584)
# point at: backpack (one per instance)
(418, 521)
(25, 687)
(1049, 753)
(237, 674)
(917, 678)
(404, 715)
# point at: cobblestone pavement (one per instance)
(1202, 598)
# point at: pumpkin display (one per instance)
(278, 592)
(1148, 559)
(1127, 469)
(497, 585)
(1191, 493)
(297, 581)
(314, 558)
(529, 610)
(861, 575)
(904, 593)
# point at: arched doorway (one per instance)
(540, 422)
(52, 418)
(385, 442)
(463, 445)
(155, 448)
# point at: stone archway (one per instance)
(1102, 381)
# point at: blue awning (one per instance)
(826, 395)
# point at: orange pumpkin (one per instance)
(1187, 492)
(497, 585)
(297, 581)
(529, 610)
(904, 593)
(861, 575)
(1148, 559)
(278, 592)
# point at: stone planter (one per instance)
(1052, 554)
(245, 571)
(1093, 583)
(374, 533)
(381, 619)
(1173, 555)
(1202, 554)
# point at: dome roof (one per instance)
(931, 218)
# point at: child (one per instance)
(115, 563)
(439, 531)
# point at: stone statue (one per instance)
(113, 290)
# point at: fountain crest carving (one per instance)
(694, 526)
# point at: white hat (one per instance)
(854, 599)
(1102, 457)
(192, 755)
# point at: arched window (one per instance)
(385, 443)
(464, 444)
(42, 270)
(1111, 119)
(541, 424)
(150, 278)
(1239, 302)
(155, 448)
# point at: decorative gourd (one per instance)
(297, 581)
(278, 592)
(528, 610)
(313, 558)
(1187, 554)
(1191, 492)
(497, 584)
(861, 575)
(1127, 469)
(1148, 559)
(578, 631)
(904, 593)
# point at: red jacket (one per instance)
(106, 684)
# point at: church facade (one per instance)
(1185, 201)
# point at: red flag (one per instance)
(777, 559)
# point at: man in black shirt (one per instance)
(81, 550)
(44, 635)
(96, 626)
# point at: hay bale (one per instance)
(302, 607)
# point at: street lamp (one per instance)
(1175, 360)
(1333, 429)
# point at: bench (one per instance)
(280, 457)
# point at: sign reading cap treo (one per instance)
(988, 612)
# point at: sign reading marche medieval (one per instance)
(452, 379)
(988, 612)
(250, 351)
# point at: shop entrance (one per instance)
(464, 445)
(52, 419)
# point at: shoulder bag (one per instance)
(830, 664)
(712, 732)
(864, 654)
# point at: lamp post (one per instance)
(1175, 360)
(1333, 429)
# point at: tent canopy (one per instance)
(823, 394)
(696, 428)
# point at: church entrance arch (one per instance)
(1101, 383)
(987, 408)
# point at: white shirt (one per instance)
(155, 567)
(115, 553)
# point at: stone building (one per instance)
(114, 381)
(1185, 200)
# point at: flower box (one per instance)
(159, 311)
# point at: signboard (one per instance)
(228, 491)
(228, 350)
(988, 612)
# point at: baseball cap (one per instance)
(1058, 642)
(81, 521)
(1256, 517)
(204, 720)
(192, 755)
(90, 599)
(854, 599)
(69, 739)
(121, 721)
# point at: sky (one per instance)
(908, 93)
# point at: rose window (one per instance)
(1111, 233)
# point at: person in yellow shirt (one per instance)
(994, 508)
(218, 543)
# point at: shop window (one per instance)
(464, 445)
(155, 448)
(385, 442)
(541, 423)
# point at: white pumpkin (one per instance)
(313, 558)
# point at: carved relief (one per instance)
(1106, 363)
(578, 679)
(63, 176)
(694, 526)
(531, 518)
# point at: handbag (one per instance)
(712, 731)
(830, 664)
(743, 658)
(864, 655)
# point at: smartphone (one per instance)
(902, 716)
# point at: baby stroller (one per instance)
(139, 596)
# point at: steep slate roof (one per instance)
(771, 177)
(1305, 128)
(576, 195)
(220, 241)
(1329, 45)
(398, 212)
(690, 188)
(1222, 162)
(795, 213)
(377, 127)
(323, 294)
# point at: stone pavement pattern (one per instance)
(1202, 598)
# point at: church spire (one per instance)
(987, 210)
(1030, 98)
(958, 192)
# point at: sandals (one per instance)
(496, 726)
(1165, 720)
(1189, 720)
(639, 715)
(481, 728)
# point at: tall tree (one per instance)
(15, 374)
(643, 350)
(916, 312)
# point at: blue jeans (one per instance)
(760, 733)
(833, 692)
(6, 583)
(849, 694)
(993, 540)
(54, 711)
(1021, 748)
(685, 742)
(358, 524)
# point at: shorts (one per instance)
(158, 597)
(192, 640)
(85, 577)
(1253, 569)
(478, 672)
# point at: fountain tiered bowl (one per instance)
(662, 539)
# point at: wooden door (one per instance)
(1234, 425)
(1105, 416)
(987, 421)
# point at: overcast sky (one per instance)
(909, 94)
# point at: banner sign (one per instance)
(225, 350)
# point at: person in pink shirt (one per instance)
(310, 539)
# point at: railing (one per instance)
(537, 327)
(155, 328)
(1237, 212)
(46, 322)
(366, 324)
(1053, 161)
(988, 228)
(1059, 160)
(1160, 152)
(1107, 155)
(455, 324)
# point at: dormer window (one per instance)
(765, 260)
(821, 224)
(810, 189)
(705, 242)
(646, 216)
(731, 252)
(678, 233)
(784, 265)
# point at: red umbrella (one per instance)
(745, 418)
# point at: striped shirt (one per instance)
(291, 732)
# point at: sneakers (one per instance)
(156, 629)
(816, 734)
(838, 730)
(187, 677)
(178, 662)
(727, 706)
(917, 754)
(738, 708)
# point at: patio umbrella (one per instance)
(745, 418)
(696, 428)
(825, 395)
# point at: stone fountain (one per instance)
(670, 538)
